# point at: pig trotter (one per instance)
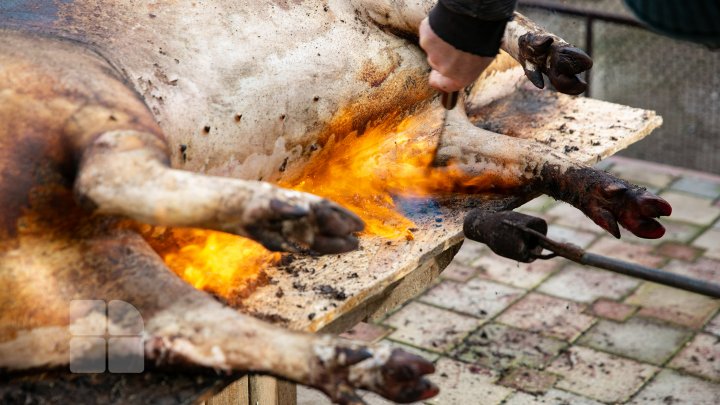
(608, 201)
(561, 62)
(402, 379)
(392, 373)
(320, 227)
(126, 173)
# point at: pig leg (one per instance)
(216, 336)
(538, 51)
(86, 107)
(508, 162)
(126, 173)
(95, 259)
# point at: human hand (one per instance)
(453, 69)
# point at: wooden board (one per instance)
(312, 294)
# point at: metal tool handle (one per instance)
(579, 255)
(523, 237)
(449, 100)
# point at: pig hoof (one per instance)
(394, 374)
(566, 62)
(635, 209)
(402, 378)
(609, 201)
(321, 227)
(560, 62)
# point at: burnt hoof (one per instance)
(565, 64)
(541, 54)
(634, 208)
(403, 375)
(394, 374)
(321, 228)
(336, 228)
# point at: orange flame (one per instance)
(226, 265)
(393, 158)
(360, 172)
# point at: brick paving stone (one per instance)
(481, 298)
(310, 396)
(469, 252)
(458, 272)
(674, 232)
(638, 338)
(710, 241)
(430, 328)
(714, 326)
(616, 311)
(620, 249)
(548, 315)
(691, 209)
(529, 380)
(538, 204)
(522, 275)
(672, 388)
(701, 357)
(463, 383)
(586, 284)
(640, 173)
(604, 165)
(429, 356)
(366, 332)
(693, 185)
(567, 215)
(552, 397)
(679, 251)
(673, 305)
(574, 236)
(375, 399)
(703, 269)
(501, 347)
(599, 375)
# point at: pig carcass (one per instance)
(182, 113)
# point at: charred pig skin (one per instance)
(177, 114)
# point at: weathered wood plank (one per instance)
(237, 393)
(317, 292)
(266, 390)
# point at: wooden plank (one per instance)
(237, 393)
(266, 390)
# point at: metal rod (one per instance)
(588, 49)
(657, 276)
(579, 255)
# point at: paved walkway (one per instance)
(555, 332)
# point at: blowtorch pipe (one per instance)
(523, 237)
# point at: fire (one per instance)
(362, 172)
(219, 263)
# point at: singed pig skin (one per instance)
(177, 113)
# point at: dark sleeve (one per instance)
(488, 10)
(474, 26)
